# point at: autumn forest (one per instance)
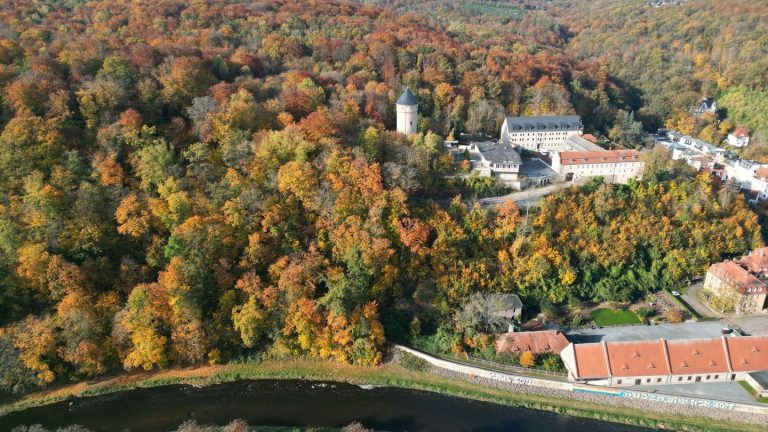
(187, 183)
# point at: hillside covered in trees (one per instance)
(195, 182)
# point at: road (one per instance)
(527, 197)
(691, 296)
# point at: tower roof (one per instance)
(407, 98)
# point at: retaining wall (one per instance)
(584, 388)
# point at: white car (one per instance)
(675, 293)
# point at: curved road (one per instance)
(525, 197)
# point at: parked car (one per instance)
(675, 293)
(726, 330)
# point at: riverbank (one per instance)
(386, 375)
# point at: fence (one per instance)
(518, 369)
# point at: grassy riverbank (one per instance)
(389, 374)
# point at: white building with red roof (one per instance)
(666, 361)
(739, 137)
(615, 166)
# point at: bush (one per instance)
(644, 312)
(577, 321)
(527, 359)
(675, 316)
(551, 362)
(412, 362)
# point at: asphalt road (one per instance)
(525, 197)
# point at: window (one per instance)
(689, 378)
(638, 381)
(658, 380)
(679, 378)
(709, 376)
(648, 380)
(618, 382)
(733, 377)
(717, 376)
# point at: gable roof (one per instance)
(748, 353)
(499, 153)
(637, 358)
(537, 342)
(591, 361)
(674, 357)
(695, 356)
(407, 98)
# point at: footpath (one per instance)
(600, 395)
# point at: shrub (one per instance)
(551, 362)
(644, 312)
(675, 316)
(412, 362)
(577, 321)
(527, 359)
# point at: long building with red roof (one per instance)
(654, 362)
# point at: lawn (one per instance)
(745, 385)
(611, 317)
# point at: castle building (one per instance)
(541, 133)
(407, 112)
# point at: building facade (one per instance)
(540, 133)
(407, 113)
(739, 286)
(491, 159)
(655, 362)
(615, 166)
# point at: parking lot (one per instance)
(728, 391)
(688, 330)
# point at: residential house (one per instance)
(705, 106)
(739, 137)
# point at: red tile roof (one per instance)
(741, 132)
(757, 261)
(596, 157)
(737, 276)
(637, 358)
(697, 356)
(537, 342)
(675, 357)
(748, 353)
(761, 173)
(591, 361)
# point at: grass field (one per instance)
(611, 317)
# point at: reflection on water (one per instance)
(296, 403)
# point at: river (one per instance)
(296, 403)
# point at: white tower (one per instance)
(407, 112)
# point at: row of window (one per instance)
(698, 378)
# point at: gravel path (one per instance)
(719, 414)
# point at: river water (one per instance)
(296, 403)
